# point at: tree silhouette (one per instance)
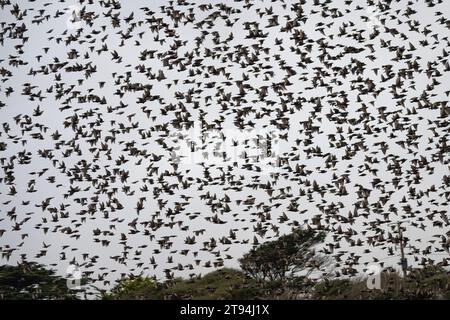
(29, 280)
(283, 258)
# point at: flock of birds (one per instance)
(95, 98)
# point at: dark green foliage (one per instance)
(29, 280)
(430, 282)
(220, 284)
(135, 288)
(427, 283)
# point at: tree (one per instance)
(283, 258)
(429, 282)
(134, 288)
(29, 280)
(220, 284)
